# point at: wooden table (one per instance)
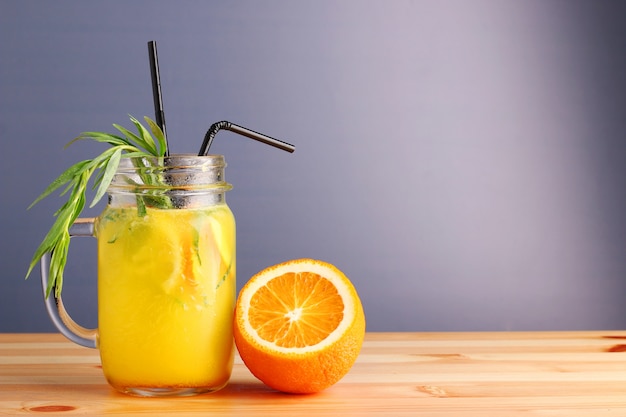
(413, 374)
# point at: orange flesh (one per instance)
(296, 310)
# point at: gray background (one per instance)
(461, 161)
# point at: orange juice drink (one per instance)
(166, 294)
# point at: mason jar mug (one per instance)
(166, 278)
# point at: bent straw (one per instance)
(156, 90)
(216, 127)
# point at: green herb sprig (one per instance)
(76, 179)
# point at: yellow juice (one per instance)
(166, 294)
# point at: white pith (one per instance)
(331, 275)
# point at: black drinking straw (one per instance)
(216, 127)
(156, 90)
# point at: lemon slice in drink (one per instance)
(157, 240)
(216, 245)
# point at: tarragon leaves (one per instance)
(111, 162)
(146, 143)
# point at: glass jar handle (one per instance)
(61, 319)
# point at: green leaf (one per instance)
(67, 188)
(158, 134)
(101, 137)
(98, 180)
(136, 154)
(109, 172)
(58, 260)
(141, 207)
(146, 136)
(62, 179)
(51, 239)
(101, 160)
(138, 140)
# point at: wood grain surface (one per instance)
(409, 374)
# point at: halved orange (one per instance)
(299, 325)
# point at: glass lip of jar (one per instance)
(176, 161)
(189, 172)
